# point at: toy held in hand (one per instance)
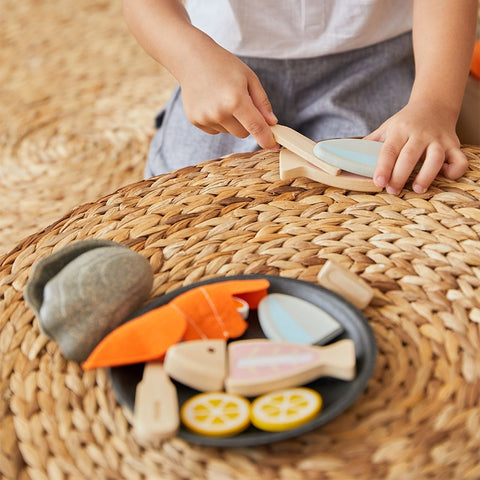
(301, 157)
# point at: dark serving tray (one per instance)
(337, 395)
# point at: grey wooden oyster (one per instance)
(85, 290)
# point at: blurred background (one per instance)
(77, 103)
(78, 98)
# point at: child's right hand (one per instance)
(222, 94)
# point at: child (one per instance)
(328, 69)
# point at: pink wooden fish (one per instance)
(260, 366)
(257, 366)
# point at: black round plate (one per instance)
(337, 395)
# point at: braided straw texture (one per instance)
(419, 416)
(77, 101)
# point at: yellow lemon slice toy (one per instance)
(216, 414)
(285, 409)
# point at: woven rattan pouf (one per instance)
(419, 417)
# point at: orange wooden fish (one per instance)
(205, 312)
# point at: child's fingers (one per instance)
(375, 136)
(455, 165)
(408, 157)
(386, 161)
(210, 130)
(434, 159)
(255, 124)
(233, 126)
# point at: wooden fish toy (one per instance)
(353, 155)
(290, 318)
(260, 366)
(200, 364)
(326, 163)
(257, 366)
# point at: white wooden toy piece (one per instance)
(156, 414)
(242, 307)
(302, 146)
(353, 155)
(339, 279)
(289, 318)
(259, 366)
(300, 158)
(200, 364)
(293, 166)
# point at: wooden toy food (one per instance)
(212, 311)
(200, 364)
(285, 409)
(294, 166)
(261, 366)
(344, 282)
(220, 414)
(353, 155)
(143, 339)
(286, 317)
(298, 159)
(205, 312)
(301, 146)
(257, 366)
(155, 414)
(216, 414)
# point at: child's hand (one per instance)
(222, 94)
(219, 92)
(419, 132)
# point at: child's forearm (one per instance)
(443, 39)
(220, 94)
(424, 130)
(163, 29)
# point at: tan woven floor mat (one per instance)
(77, 103)
(419, 417)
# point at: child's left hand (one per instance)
(424, 132)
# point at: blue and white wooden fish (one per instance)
(350, 154)
(289, 318)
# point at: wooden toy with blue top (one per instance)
(347, 163)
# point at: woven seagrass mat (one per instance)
(77, 103)
(77, 97)
(419, 417)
